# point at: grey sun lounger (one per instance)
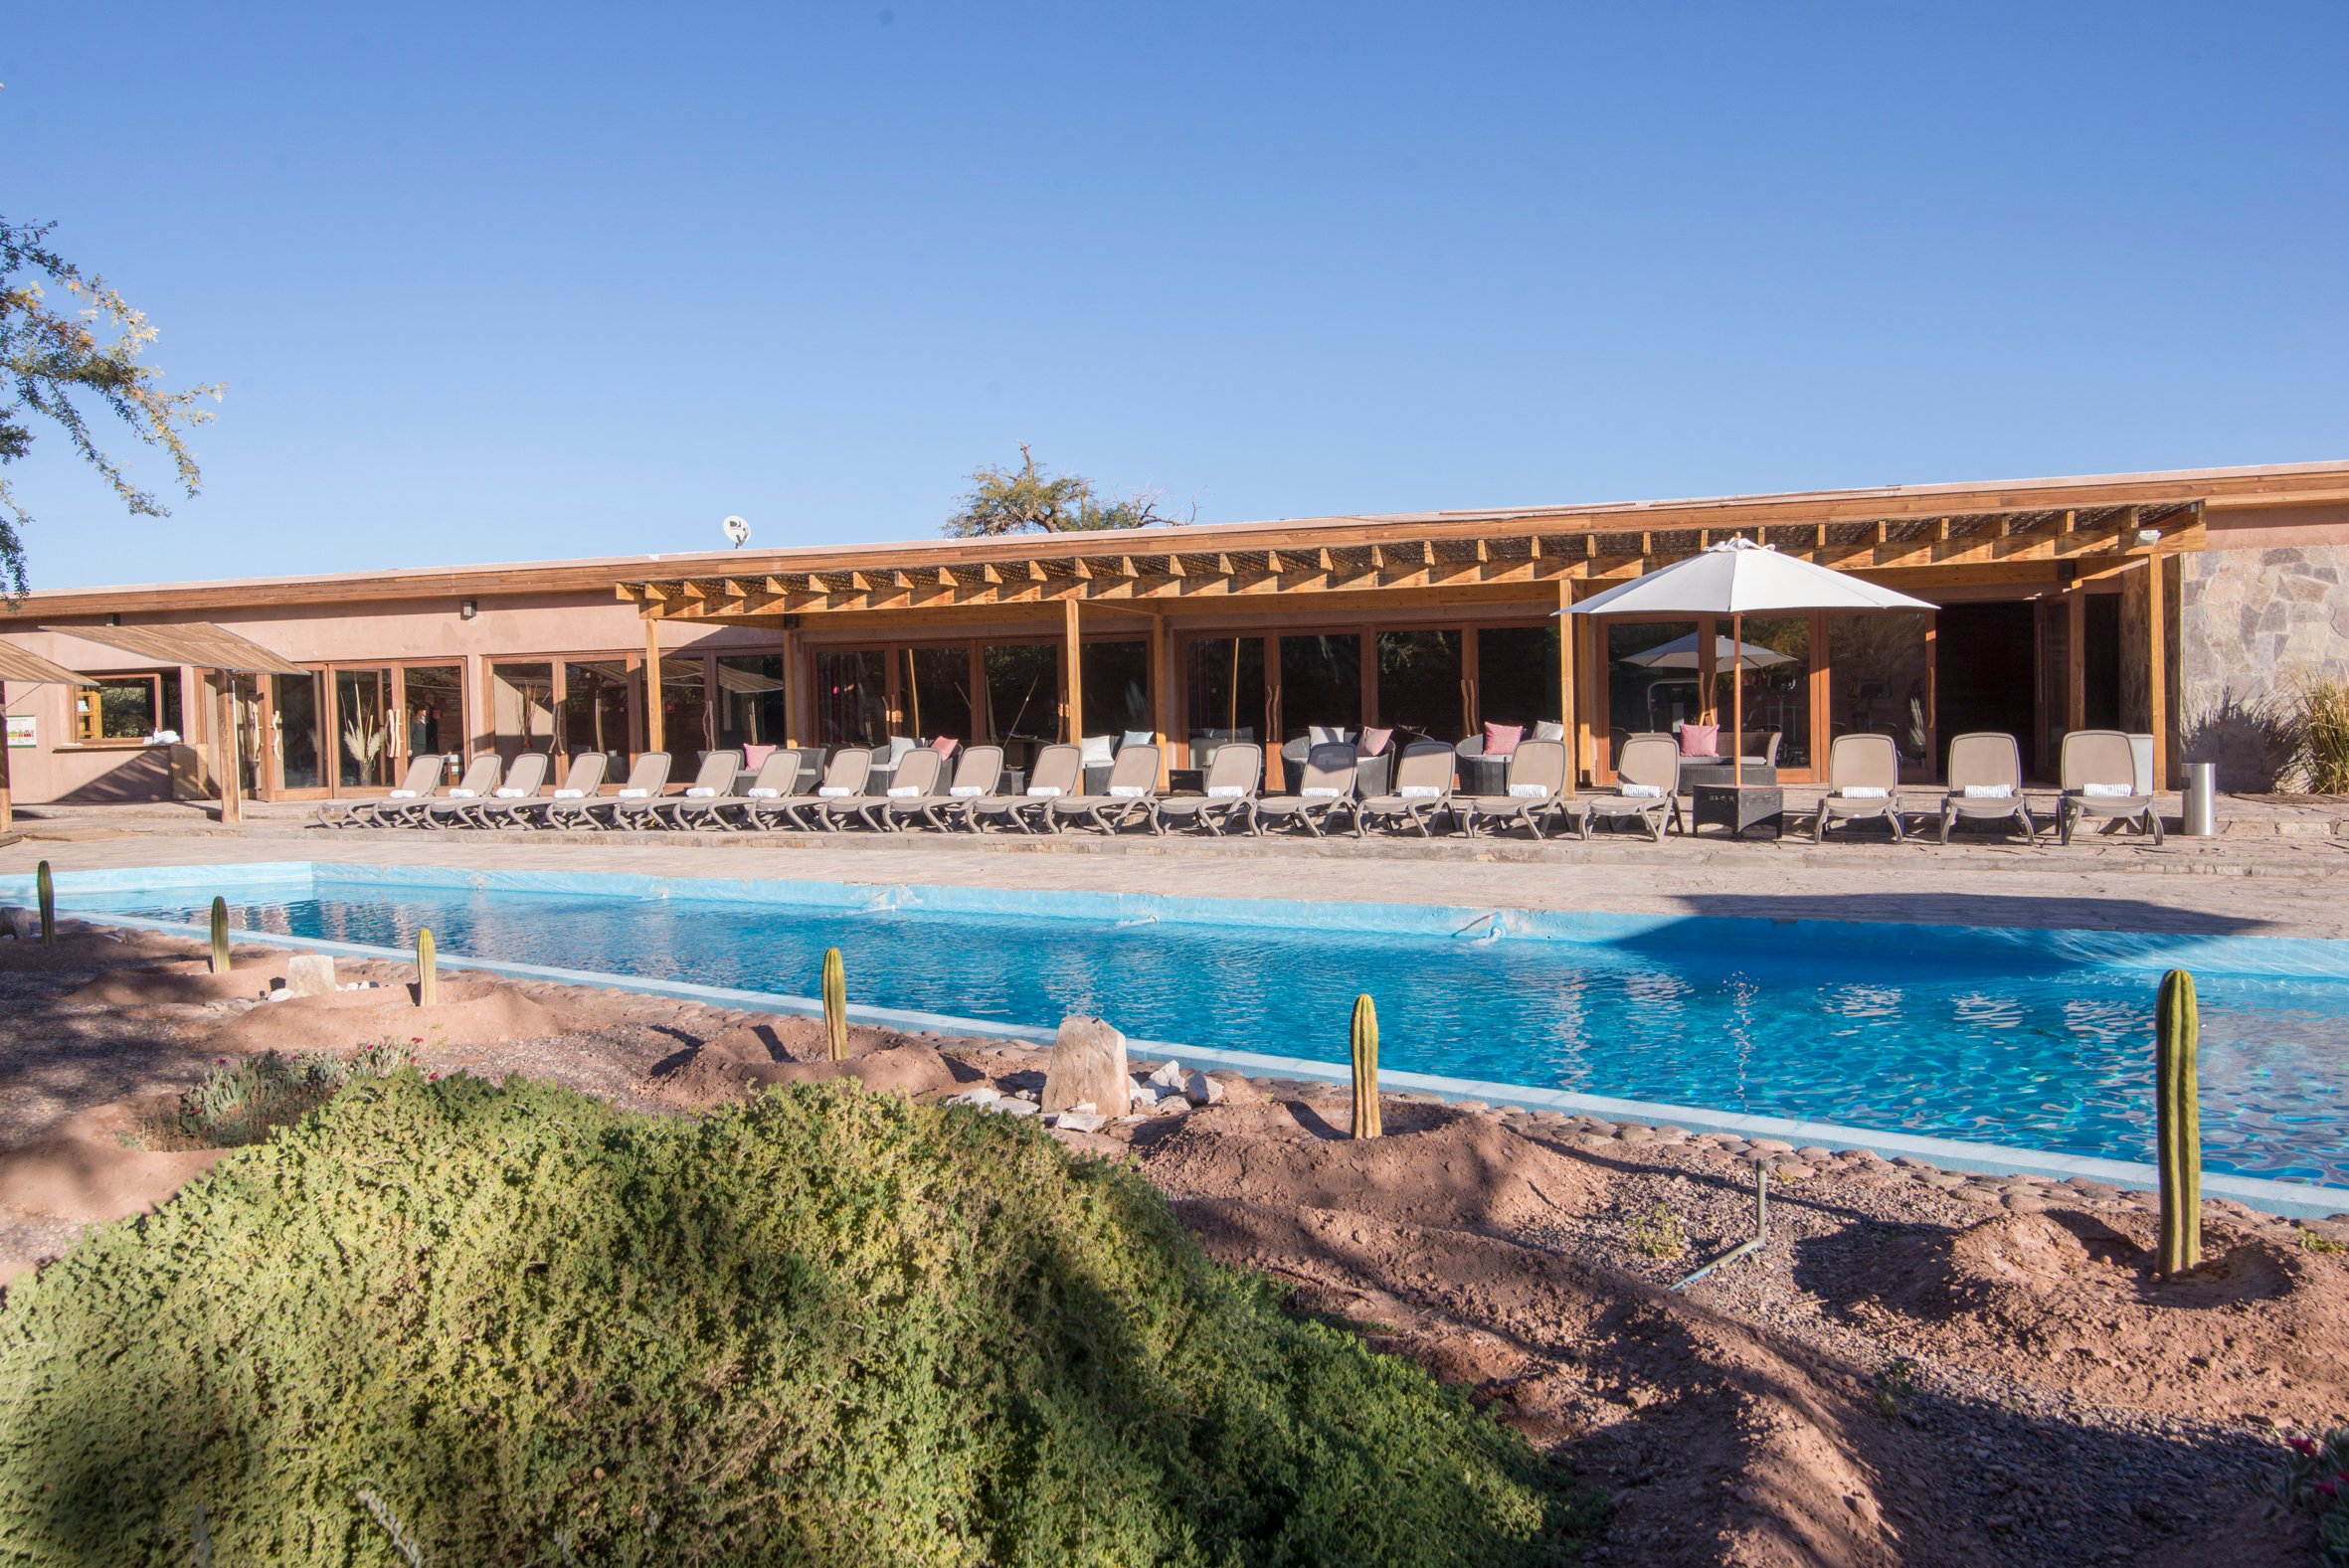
(1227, 793)
(1059, 770)
(1422, 791)
(520, 786)
(712, 781)
(480, 777)
(646, 777)
(1985, 784)
(582, 777)
(917, 774)
(844, 778)
(979, 770)
(1863, 782)
(727, 809)
(1647, 789)
(1132, 786)
(423, 775)
(1534, 789)
(1325, 786)
(2098, 771)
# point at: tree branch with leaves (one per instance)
(1029, 500)
(53, 361)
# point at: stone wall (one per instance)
(2253, 627)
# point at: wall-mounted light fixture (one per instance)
(466, 610)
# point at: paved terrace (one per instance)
(2279, 868)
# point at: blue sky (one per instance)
(500, 283)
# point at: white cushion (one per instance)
(511, 794)
(400, 794)
(1140, 738)
(1548, 730)
(905, 791)
(761, 792)
(461, 794)
(570, 794)
(1638, 791)
(1990, 791)
(634, 795)
(835, 791)
(1327, 734)
(1321, 792)
(1098, 747)
(1421, 792)
(1225, 792)
(700, 792)
(2107, 792)
(1528, 791)
(1042, 792)
(1864, 793)
(966, 791)
(1127, 792)
(899, 745)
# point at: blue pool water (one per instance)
(2010, 1044)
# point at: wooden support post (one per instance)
(6, 795)
(2157, 674)
(655, 738)
(1566, 626)
(1162, 694)
(1934, 750)
(2075, 673)
(224, 749)
(1072, 699)
(791, 689)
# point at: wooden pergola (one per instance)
(24, 668)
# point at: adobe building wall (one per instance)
(2261, 611)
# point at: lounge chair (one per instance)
(1422, 790)
(582, 777)
(1985, 784)
(647, 777)
(916, 774)
(2098, 771)
(690, 810)
(521, 785)
(844, 778)
(1228, 791)
(1132, 786)
(480, 777)
(979, 770)
(1325, 786)
(1647, 787)
(1535, 787)
(711, 781)
(1058, 771)
(423, 775)
(1863, 780)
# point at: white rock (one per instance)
(1077, 1120)
(1169, 1076)
(22, 924)
(1200, 1090)
(1010, 1106)
(1144, 1095)
(978, 1094)
(1088, 1067)
(310, 974)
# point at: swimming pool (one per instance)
(2027, 1039)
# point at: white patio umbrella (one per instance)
(1681, 654)
(1739, 578)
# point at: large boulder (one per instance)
(1088, 1067)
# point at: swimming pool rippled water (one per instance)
(2015, 1047)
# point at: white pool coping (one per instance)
(2292, 1200)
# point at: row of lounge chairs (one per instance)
(1985, 782)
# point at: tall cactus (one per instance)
(428, 968)
(1365, 1069)
(2178, 1122)
(220, 935)
(45, 891)
(836, 1006)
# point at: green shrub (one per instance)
(2323, 728)
(821, 1328)
(245, 1099)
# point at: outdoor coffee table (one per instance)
(1739, 808)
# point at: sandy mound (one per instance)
(470, 1013)
(183, 980)
(83, 949)
(1433, 1167)
(86, 1172)
(2261, 1330)
(741, 1062)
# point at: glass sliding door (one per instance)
(1773, 659)
(1022, 695)
(1876, 684)
(1116, 687)
(851, 697)
(1225, 693)
(934, 691)
(1321, 683)
(363, 729)
(298, 754)
(522, 707)
(594, 710)
(684, 708)
(1517, 676)
(749, 700)
(1419, 683)
(432, 702)
(1652, 685)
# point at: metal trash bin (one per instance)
(2202, 800)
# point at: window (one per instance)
(1226, 690)
(127, 707)
(1321, 683)
(1117, 686)
(1022, 690)
(749, 700)
(1775, 658)
(851, 697)
(594, 711)
(934, 691)
(1516, 676)
(298, 706)
(1651, 679)
(433, 695)
(522, 707)
(1419, 683)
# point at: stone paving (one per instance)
(2282, 869)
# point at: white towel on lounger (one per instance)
(1641, 791)
(511, 794)
(1224, 792)
(1528, 791)
(700, 792)
(1043, 791)
(905, 791)
(1321, 792)
(761, 792)
(835, 791)
(463, 795)
(634, 795)
(570, 794)
(1990, 791)
(1127, 792)
(400, 794)
(2107, 792)
(1863, 792)
(1421, 792)
(966, 791)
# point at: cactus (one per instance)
(836, 1006)
(2178, 1124)
(45, 890)
(1365, 1069)
(427, 969)
(220, 935)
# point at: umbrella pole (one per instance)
(1738, 700)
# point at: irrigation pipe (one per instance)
(1754, 1242)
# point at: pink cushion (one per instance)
(1700, 740)
(755, 756)
(945, 745)
(1501, 739)
(1374, 742)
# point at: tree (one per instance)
(49, 359)
(1033, 500)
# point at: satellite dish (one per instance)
(737, 531)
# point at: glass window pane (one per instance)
(523, 708)
(1775, 657)
(1116, 687)
(749, 700)
(595, 716)
(1226, 695)
(297, 698)
(1516, 676)
(935, 691)
(1321, 683)
(684, 708)
(1022, 691)
(851, 697)
(1875, 683)
(362, 717)
(434, 699)
(126, 707)
(1651, 679)
(1419, 683)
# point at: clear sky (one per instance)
(504, 281)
